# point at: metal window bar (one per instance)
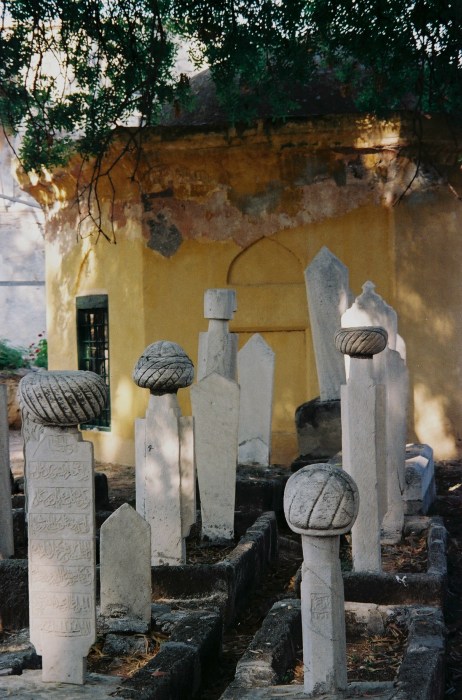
(93, 354)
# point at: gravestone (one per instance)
(329, 295)
(125, 565)
(362, 422)
(218, 347)
(165, 470)
(62, 574)
(321, 503)
(215, 404)
(6, 514)
(369, 309)
(256, 378)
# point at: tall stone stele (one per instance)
(328, 293)
(6, 514)
(321, 503)
(165, 463)
(62, 580)
(363, 428)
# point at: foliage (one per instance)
(37, 355)
(11, 357)
(72, 73)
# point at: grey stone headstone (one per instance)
(6, 514)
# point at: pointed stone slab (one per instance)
(215, 404)
(256, 379)
(328, 292)
(369, 309)
(61, 553)
(6, 514)
(125, 564)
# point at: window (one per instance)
(93, 347)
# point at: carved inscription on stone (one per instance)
(61, 552)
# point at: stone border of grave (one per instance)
(385, 588)
(225, 584)
(275, 647)
(194, 643)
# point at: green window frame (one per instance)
(93, 347)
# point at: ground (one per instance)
(279, 582)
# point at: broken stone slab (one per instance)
(420, 487)
(319, 429)
(260, 671)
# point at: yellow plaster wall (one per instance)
(252, 211)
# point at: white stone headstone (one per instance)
(256, 380)
(215, 405)
(62, 570)
(164, 452)
(125, 565)
(327, 286)
(369, 309)
(321, 503)
(361, 401)
(6, 514)
(218, 347)
(159, 479)
(61, 553)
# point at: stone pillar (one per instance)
(165, 470)
(369, 309)
(362, 423)
(218, 347)
(256, 379)
(6, 514)
(62, 520)
(321, 503)
(215, 404)
(329, 295)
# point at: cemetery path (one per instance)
(448, 505)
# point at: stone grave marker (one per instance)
(218, 347)
(6, 514)
(329, 295)
(125, 565)
(256, 379)
(165, 469)
(62, 577)
(321, 503)
(369, 309)
(215, 404)
(362, 424)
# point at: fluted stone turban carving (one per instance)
(163, 368)
(62, 398)
(321, 500)
(361, 342)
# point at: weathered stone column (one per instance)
(6, 514)
(321, 503)
(363, 421)
(62, 520)
(218, 347)
(165, 469)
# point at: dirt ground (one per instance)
(279, 582)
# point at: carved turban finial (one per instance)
(163, 368)
(62, 398)
(321, 500)
(362, 342)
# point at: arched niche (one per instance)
(265, 262)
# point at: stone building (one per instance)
(209, 205)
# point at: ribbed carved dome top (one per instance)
(163, 368)
(62, 397)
